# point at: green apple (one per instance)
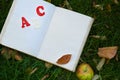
(84, 72)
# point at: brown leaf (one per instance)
(107, 52)
(98, 6)
(109, 8)
(67, 4)
(5, 52)
(18, 57)
(99, 37)
(44, 77)
(64, 59)
(48, 65)
(33, 71)
(10, 53)
(116, 1)
(30, 71)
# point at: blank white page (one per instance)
(28, 39)
(66, 34)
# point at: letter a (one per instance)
(25, 23)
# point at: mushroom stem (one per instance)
(100, 64)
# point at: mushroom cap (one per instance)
(107, 52)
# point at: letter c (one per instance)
(38, 11)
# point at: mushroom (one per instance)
(106, 53)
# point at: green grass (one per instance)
(107, 23)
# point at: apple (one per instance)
(84, 72)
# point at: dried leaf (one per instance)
(44, 77)
(10, 53)
(67, 4)
(33, 71)
(95, 36)
(116, 1)
(108, 52)
(98, 6)
(18, 57)
(109, 8)
(48, 65)
(5, 52)
(99, 37)
(94, 3)
(64, 59)
(30, 71)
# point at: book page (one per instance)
(26, 25)
(66, 34)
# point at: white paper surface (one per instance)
(66, 34)
(27, 39)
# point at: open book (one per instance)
(47, 32)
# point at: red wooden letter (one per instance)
(38, 10)
(25, 22)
